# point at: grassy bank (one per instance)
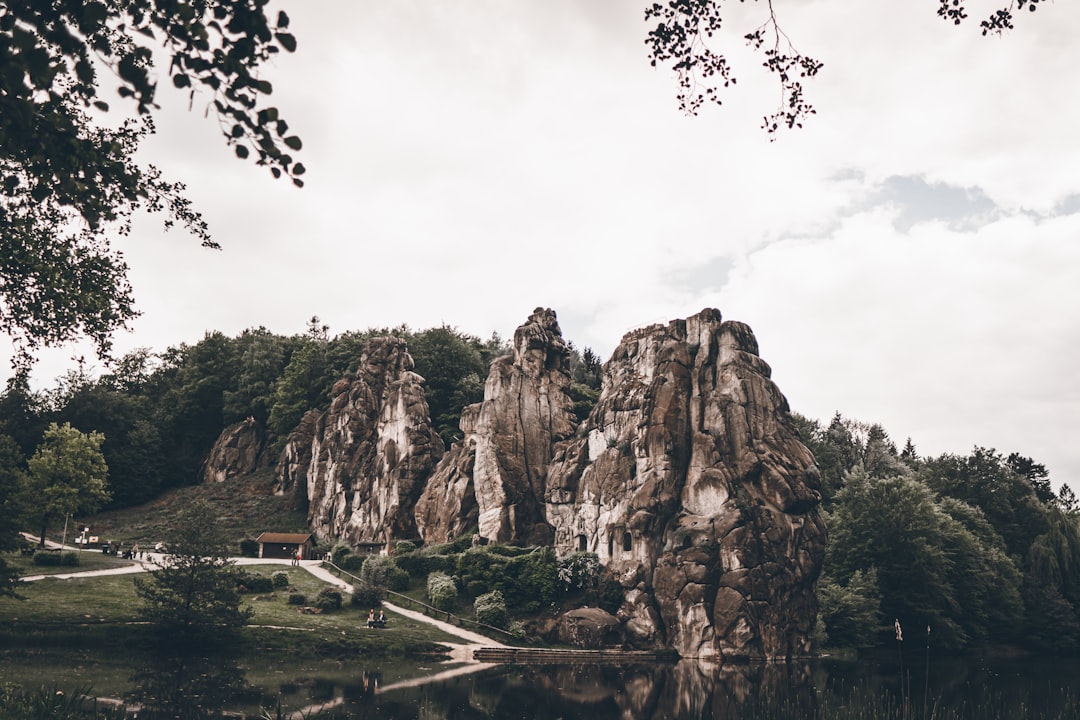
(105, 610)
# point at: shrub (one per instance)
(490, 609)
(516, 629)
(580, 571)
(420, 564)
(481, 569)
(253, 582)
(249, 548)
(442, 591)
(297, 599)
(44, 557)
(350, 563)
(339, 552)
(531, 581)
(610, 594)
(280, 579)
(328, 599)
(378, 569)
(366, 596)
(69, 559)
(404, 547)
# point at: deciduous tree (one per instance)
(68, 475)
(68, 179)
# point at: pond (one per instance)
(975, 688)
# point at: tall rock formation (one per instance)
(241, 449)
(447, 507)
(370, 452)
(693, 486)
(526, 410)
(295, 462)
(688, 479)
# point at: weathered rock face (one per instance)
(526, 410)
(590, 628)
(372, 451)
(688, 479)
(693, 485)
(447, 506)
(295, 462)
(241, 449)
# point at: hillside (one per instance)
(245, 507)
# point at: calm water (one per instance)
(825, 689)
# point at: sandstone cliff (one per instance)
(241, 449)
(688, 479)
(692, 484)
(370, 453)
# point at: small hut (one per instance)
(285, 545)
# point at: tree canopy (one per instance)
(68, 475)
(68, 179)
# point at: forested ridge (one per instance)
(977, 547)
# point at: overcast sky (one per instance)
(909, 258)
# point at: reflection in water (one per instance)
(687, 690)
(185, 686)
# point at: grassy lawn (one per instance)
(273, 610)
(111, 601)
(88, 560)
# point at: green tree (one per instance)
(454, 373)
(69, 180)
(132, 445)
(851, 613)
(985, 479)
(68, 475)
(931, 568)
(12, 507)
(192, 594)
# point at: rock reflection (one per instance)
(684, 691)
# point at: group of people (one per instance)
(376, 622)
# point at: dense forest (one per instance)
(977, 547)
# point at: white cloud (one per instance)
(468, 161)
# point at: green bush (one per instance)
(249, 548)
(366, 596)
(580, 571)
(297, 599)
(381, 571)
(442, 591)
(404, 547)
(250, 582)
(531, 581)
(280, 579)
(420, 564)
(610, 594)
(340, 551)
(69, 559)
(328, 599)
(351, 563)
(46, 557)
(490, 609)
